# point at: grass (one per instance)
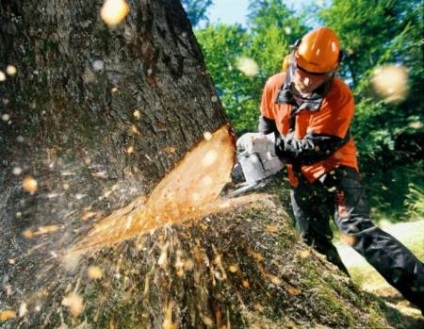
(411, 235)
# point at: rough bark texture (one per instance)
(93, 108)
(80, 82)
(96, 115)
(245, 269)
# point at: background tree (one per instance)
(388, 133)
(272, 28)
(224, 46)
(197, 10)
(394, 27)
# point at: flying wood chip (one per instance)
(190, 191)
(7, 315)
(113, 12)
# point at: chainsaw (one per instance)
(256, 163)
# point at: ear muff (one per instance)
(293, 48)
(342, 55)
(296, 44)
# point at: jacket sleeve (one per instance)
(267, 122)
(310, 149)
(267, 126)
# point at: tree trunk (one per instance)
(93, 107)
(90, 93)
(94, 115)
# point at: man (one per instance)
(310, 110)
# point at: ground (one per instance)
(409, 233)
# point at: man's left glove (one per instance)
(279, 146)
(256, 143)
(288, 148)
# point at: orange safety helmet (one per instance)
(318, 51)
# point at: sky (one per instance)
(228, 11)
(235, 11)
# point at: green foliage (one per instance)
(371, 113)
(196, 10)
(414, 201)
(272, 28)
(222, 46)
(383, 32)
(394, 194)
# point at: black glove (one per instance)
(279, 146)
(310, 149)
(290, 149)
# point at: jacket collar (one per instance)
(289, 95)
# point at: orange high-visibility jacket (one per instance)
(333, 118)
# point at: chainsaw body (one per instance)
(257, 159)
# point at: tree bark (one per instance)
(91, 107)
(80, 84)
(95, 115)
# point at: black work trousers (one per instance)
(340, 194)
